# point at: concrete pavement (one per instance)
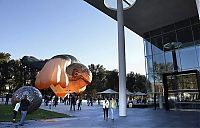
(92, 117)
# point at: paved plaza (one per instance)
(92, 117)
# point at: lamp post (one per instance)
(121, 5)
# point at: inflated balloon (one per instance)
(63, 74)
(33, 95)
(79, 76)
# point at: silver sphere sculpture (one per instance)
(33, 95)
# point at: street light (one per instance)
(119, 6)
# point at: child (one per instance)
(15, 110)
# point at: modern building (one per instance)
(171, 33)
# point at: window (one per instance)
(157, 46)
(169, 62)
(169, 37)
(147, 45)
(149, 65)
(189, 58)
(159, 63)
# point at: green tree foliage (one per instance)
(112, 80)
(130, 81)
(136, 82)
(4, 57)
(140, 83)
(4, 74)
(98, 78)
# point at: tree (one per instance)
(130, 81)
(140, 83)
(4, 58)
(98, 78)
(112, 80)
(136, 82)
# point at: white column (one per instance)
(122, 60)
(198, 7)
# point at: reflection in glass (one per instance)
(188, 58)
(157, 46)
(150, 78)
(198, 54)
(159, 63)
(168, 61)
(178, 59)
(149, 64)
(147, 46)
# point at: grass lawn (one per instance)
(6, 114)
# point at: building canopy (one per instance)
(147, 15)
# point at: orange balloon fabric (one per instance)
(62, 75)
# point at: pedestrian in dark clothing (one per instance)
(46, 100)
(98, 101)
(65, 100)
(68, 100)
(55, 101)
(91, 101)
(24, 109)
(70, 97)
(7, 98)
(88, 101)
(73, 103)
(79, 103)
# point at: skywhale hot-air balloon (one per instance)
(63, 74)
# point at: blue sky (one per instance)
(45, 28)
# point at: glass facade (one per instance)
(160, 60)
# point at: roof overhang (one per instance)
(147, 15)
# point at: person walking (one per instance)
(7, 99)
(15, 110)
(73, 102)
(105, 109)
(91, 101)
(113, 106)
(55, 101)
(79, 103)
(24, 109)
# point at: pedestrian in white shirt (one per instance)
(105, 108)
(15, 110)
